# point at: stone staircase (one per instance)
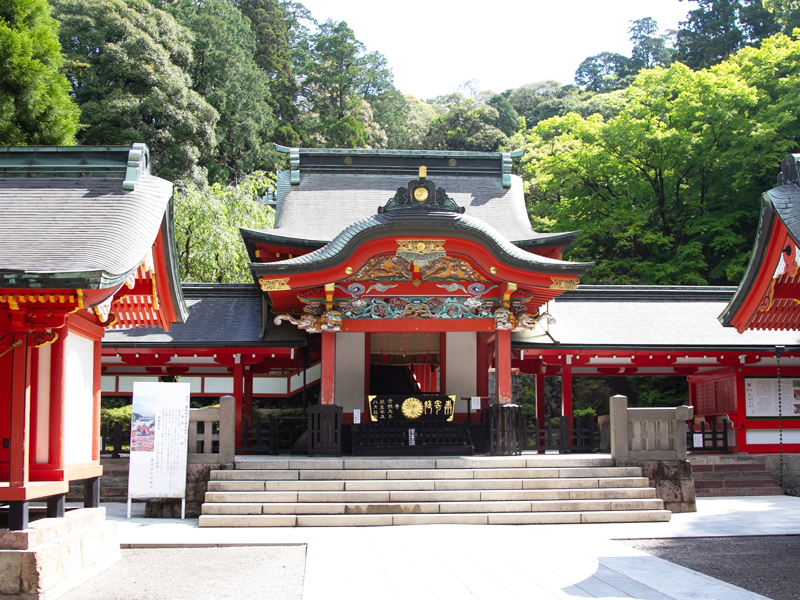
(288, 492)
(716, 476)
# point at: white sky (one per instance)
(434, 45)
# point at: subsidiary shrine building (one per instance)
(409, 285)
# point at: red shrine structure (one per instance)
(108, 260)
(406, 283)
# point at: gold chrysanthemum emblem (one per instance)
(412, 408)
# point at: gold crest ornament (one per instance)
(564, 284)
(412, 408)
(274, 285)
(420, 194)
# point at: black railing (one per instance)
(505, 429)
(556, 434)
(112, 440)
(428, 437)
(325, 430)
(709, 437)
(269, 437)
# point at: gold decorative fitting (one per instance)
(274, 285)
(420, 246)
(412, 408)
(564, 284)
(493, 270)
(416, 282)
(348, 270)
(421, 194)
(452, 162)
(348, 160)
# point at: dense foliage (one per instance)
(657, 157)
(35, 107)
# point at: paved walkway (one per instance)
(492, 562)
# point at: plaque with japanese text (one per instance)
(421, 407)
(159, 440)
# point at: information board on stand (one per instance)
(159, 442)
(761, 397)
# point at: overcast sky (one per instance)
(434, 45)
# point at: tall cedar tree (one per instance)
(224, 73)
(35, 107)
(135, 88)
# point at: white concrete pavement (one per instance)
(492, 562)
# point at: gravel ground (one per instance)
(766, 565)
(220, 573)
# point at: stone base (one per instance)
(197, 477)
(53, 556)
(672, 479)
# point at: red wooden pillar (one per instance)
(328, 366)
(238, 376)
(741, 409)
(566, 393)
(503, 370)
(58, 377)
(96, 396)
(248, 394)
(19, 451)
(540, 396)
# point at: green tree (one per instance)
(507, 118)
(717, 29)
(604, 72)
(207, 223)
(224, 72)
(135, 87)
(273, 55)
(655, 189)
(35, 107)
(465, 124)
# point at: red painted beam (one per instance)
(411, 325)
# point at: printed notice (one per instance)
(159, 440)
(761, 397)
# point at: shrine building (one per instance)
(410, 284)
(86, 243)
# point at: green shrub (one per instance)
(121, 415)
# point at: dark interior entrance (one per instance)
(405, 363)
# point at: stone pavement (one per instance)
(491, 562)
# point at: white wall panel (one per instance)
(218, 385)
(313, 374)
(108, 383)
(269, 385)
(461, 359)
(43, 405)
(349, 386)
(79, 405)
(126, 381)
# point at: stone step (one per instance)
(512, 518)
(426, 484)
(427, 496)
(721, 492)
(560, 461)
(508, 505)
(727, 467)
(734, 483)
(373, 474)
(731, 475)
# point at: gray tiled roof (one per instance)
(323, 204)
(651, 317)
(419, 222)
(220, 315)
(71, 229)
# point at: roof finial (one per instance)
(423, 173)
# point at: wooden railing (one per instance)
(647, 433)
(211, 433)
